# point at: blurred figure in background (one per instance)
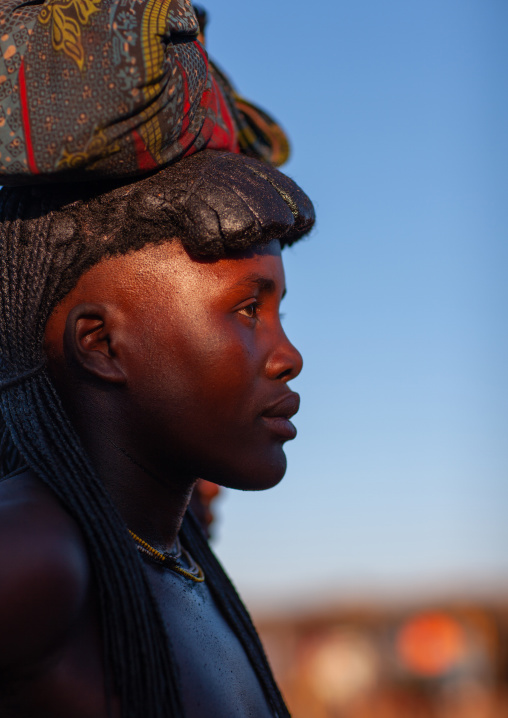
(204, 494)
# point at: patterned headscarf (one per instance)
(115, 88)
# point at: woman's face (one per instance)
(206, 360)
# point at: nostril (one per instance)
(286, 374)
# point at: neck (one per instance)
(151, 501)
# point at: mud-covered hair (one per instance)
(214, 203)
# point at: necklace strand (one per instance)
(168, 560)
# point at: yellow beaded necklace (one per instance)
(169, 561)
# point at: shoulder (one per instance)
(44, 571)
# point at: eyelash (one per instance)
(255, 306)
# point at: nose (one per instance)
(285, 361)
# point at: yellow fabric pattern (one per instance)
(67, 18)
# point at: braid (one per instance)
(50, 236)
(10, 458)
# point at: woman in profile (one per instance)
(140, 349)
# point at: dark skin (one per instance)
(171, 369)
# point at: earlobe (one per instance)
(92, 343)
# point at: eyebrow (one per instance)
(264, 283)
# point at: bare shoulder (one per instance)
(44, 571)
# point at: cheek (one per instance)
(209, 366)
(198, 403)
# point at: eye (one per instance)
(251, 310)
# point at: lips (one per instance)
(285, 407)
(276, 416)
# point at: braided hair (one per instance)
(215, 203)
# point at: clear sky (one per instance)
(398, 115)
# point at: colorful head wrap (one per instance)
(115, 88)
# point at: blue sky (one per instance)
(397, 112)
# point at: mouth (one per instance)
(277, 416)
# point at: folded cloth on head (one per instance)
(108, 88)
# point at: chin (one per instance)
(256, 474)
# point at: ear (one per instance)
(92, 342)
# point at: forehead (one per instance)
(171, 261)
(169, 267)
(167, 271)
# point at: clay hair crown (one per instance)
(214, 202)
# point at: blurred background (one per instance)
(377, 570)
